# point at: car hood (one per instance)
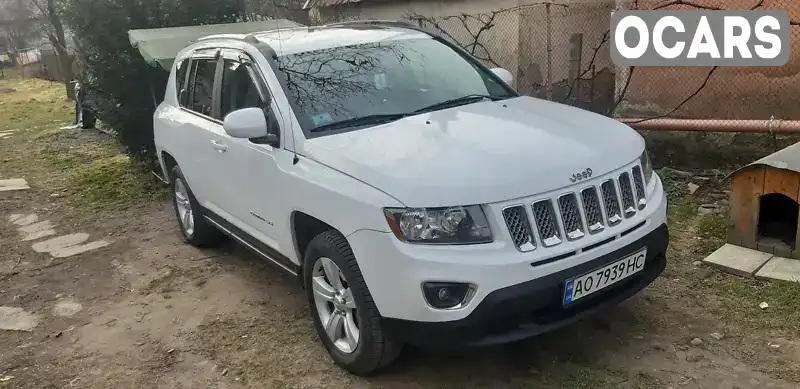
(479, 153)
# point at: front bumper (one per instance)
(394, 271)
(535, 307)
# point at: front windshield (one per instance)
(382, 78)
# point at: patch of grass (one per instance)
(34, 105)
(89, 168)
(674, 183)
(645, 381)
(596, 377)
(57, 160)
(680, 212)
(116, 181)
(580, 377)
(713, 226)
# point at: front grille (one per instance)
(571, 216)
(593, 209)
(594, 215)
(549, 232)
(638, 182)
(519, 227)
(613, 213)
(628, 207)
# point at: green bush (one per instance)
(124, 89)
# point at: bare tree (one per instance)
(54, 31)
(26, 20)
(18, 24)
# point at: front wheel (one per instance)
(345, 316)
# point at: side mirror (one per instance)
(246, 123)
(504, 75)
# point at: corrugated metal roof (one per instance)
(787, 159)
(327, 3)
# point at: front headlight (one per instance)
(448, 225)
(647, 167)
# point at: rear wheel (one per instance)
(194, 227)
(345, 316)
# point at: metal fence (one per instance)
(560, 51)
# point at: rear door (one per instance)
(200, 163)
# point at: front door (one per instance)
(252, 176)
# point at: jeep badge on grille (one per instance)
(581, 175)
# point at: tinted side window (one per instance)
(202, 85)
(180, 80)
(238, 88)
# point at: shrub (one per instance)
(124, 89)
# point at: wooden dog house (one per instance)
(764, 204)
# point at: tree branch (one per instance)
(686, 2)
(696, 92)
(588, 66)
(689, 3)
(623, 93)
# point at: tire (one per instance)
(200, 232)
(375, 348)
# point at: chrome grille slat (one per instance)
(545, 218)
(638, 183)
(591, 205)
(571, 216)
(628, 203)
(613, 212)
(519, 227)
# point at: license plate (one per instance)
(601, 278)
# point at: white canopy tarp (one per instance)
(159, 46)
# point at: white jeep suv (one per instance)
(418, 198)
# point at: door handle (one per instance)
(219, 146)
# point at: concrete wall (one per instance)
(731, 93)
(591, 20)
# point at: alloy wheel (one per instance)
(335, 305)
(184, 206)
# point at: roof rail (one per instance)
(218, 36)
(381, 22)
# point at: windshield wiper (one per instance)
(463, 100)
(361, 121)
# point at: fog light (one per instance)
(447, 295)
(444, 294)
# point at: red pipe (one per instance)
(777, 126)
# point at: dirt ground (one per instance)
(157, 313)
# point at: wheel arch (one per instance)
(167, 163)
(306, 227)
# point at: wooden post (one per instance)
(549, 84)
(747, 187)
(575, 54)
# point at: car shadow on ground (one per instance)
(585, 344)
